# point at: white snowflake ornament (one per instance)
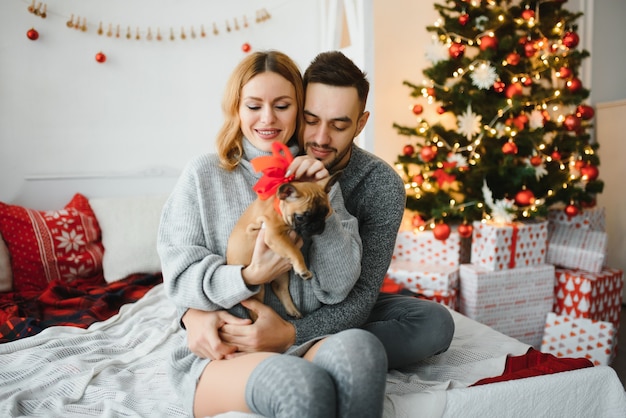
(469, 123)
(436, 51)
(484, 76)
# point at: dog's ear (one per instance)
(329, 181)
(286, 190)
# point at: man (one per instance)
(410, 329)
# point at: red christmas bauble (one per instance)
(418, 109)
(572, 123)
(417, 221)
(513, 58)
(513, 90)
(246, 47)
(565, 72)
(430, 91)
(100, 57)
(456, 50)
(536, 160)
(530, 49)
(528, 14)
(463, 19)
(428, 153)
(574, 84)
(32, 34)
(556, 155)
(525, 198)
(499, 86)
(441, 231)
(418, 179)
(571, 39)
(589, 171)
(509, 148)
(585, 112)
(441, 110)
(579, 164)
(488, 42)
(571, 210)
(465, 230)
(408, 150)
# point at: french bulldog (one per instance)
(297, 206)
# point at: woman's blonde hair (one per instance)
(229, 138)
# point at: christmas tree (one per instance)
(509, 139)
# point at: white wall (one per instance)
(145, 111)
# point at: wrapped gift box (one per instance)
(577, 248)
(514, 302)
(504, 246)
(591, 218)
(565, 336)
(422, 247)
(433, 281)
(582, 294)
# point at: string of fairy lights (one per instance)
(83, 23)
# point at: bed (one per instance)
(94, 338)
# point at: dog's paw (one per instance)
(294, 313)
(305, 275)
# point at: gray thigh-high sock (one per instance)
(357, 362)
(289, 386)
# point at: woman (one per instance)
(337, 375)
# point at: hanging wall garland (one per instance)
(79, 22)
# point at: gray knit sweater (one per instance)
(374, 193)
(196, 223)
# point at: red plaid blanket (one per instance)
(79, 304)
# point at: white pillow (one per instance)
(6, 274)
(129, 228)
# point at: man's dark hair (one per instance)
(333, 68)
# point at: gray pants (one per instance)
(410, 329)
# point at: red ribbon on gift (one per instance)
(274, 168)
(513, 246)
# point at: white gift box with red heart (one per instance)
(422, 247)
(590, 218)
(514, 302)
(565, 336)
(577, 248)
(497, 246)
(582, 294)
(431, 281)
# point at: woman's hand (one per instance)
(203, 333)
(266, 265)
(306, 168)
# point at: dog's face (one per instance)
(305, 205)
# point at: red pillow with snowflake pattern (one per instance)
(62, 244)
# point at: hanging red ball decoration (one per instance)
(513, 90)
(565, 72)
(572, 123)
(441, 110)
(408, 150)
(418, 109)
(428, 153)
(418, 179)
(499, 86)
(417, 221)
(585, 112)
(513, 58)
(590, 172)
(509, 148)
(430, 91)
(556, 155)
(441, 231)
(536, 160)
(456, 50)
(465, 230)
(571, 39)
(571, 210)
(530, 49)
(528, 14)
(100, 57)
(524, 198)
(32, 34)
(463, 19)
(487, 42)
(246, 47)
(574, 84)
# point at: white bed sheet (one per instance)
(119, 368)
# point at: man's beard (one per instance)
(335, 161)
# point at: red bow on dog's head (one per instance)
(274, 167)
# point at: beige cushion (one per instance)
(129, 228)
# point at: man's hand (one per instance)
(203, 333)
(268, 333)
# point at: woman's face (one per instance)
(268, 110)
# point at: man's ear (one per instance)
(328, 182)
(361, 122)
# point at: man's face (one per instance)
(332, 119)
